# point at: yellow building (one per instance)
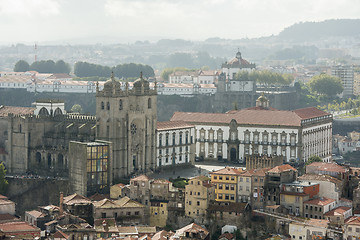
(199, 193)
(158, 213)
(225, 181)
(116, 191)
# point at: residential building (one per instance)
(310, 229)
(199, 194)
(346, 75)
(124, 210)
(77, 231)
(316, 208)
(338, 215)
(185, 89)
(77, 205)
(226, 182)
(294, 195)
(352, 228)
(7, 206)
(251, 187)
(188, 77)
(140, 189)
(119, 190)
(273, 180)
(331, 169)
(244, 187)
(295, 135)
(192, 231)
(330, 187)
(158, 213)
(207, 77)
(175, 145)
(230, 212)
(19, 230)
(37, 218)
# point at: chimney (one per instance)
(61, 203)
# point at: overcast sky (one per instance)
(67, 21)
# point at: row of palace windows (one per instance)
(120, 104)
(265, 136)
(180, 157)
(180, 150)
(174, 139)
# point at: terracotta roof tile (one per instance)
(228, 171)
(173, 125)
(337, 211)
(251, 117)
(317, 222)
(355, 220)
(327, 167)
(282, 168)
(5, 110)
(140, 178)
(36, 214)
(12, 227)
(320, 201)
(310, 112)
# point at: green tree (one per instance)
(324, 84)
(21, 66)
(3, 182)
(313, 159)
(62, 67)
(76, 108)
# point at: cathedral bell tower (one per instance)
(127, 118)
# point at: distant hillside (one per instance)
(315, 30)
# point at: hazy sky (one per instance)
(65, 21)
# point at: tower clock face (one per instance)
(133, 128)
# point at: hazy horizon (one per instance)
(125, 21)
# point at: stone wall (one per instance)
(29, 193)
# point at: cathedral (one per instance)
(36, 140)
(128, 119)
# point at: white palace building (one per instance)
(296, 135)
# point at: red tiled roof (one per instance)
(227, 235)
(250, 116)
(5, 110)
(320, 201)
(140, 178)
(260, 172)
(328, 167)
(76, 199)
(337, 211)
(355, 220)
(60, 234)
(310, 112)
(228, 171)
(36, 214)
(6, 216)
(282, 168)
(13, 227)
(173, 125)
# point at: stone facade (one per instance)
(128, 119)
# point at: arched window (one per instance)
(120, 104)
(49, 160)
(43, 112)
(102, 105)
(149, 103)
(38, 157)
(57, 112)
(108, 106)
